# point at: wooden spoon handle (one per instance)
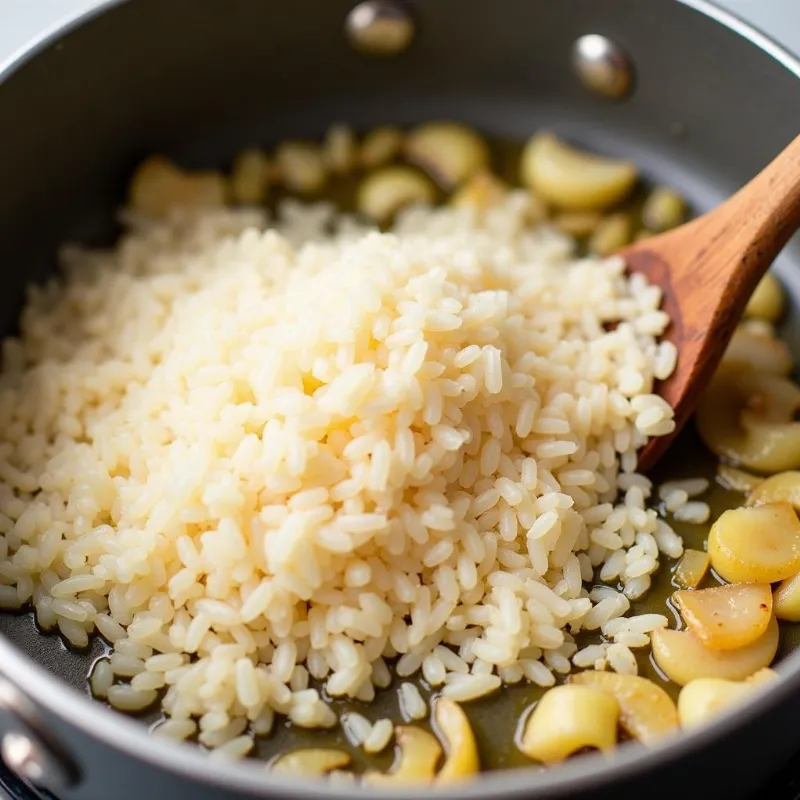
(708, 269)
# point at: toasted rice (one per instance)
(258, 456)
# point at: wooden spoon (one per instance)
(708, 268)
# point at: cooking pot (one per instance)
(694, 96)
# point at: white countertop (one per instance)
(21, 20)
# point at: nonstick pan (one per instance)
(709, 102)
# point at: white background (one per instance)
(21, 20)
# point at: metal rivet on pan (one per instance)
(33, 763)
(380, 27)
(602, 66)
(28, 750)
(21, 756)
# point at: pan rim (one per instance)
(591, 771)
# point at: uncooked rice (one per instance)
(251, 457)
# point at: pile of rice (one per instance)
(252, 458)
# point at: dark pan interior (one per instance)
(200, 79)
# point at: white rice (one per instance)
(692, 486)
(667, 540)
(695, 511)
(102, 678)
(646, 623)
(234, 749)
(676, 499)
(412, 705)
(434, 670)
(636, 587)
(356, 727)
(471, 687)
(631, 639)
(621, 659)
(589, 655)
(176, 729)
(380, 736)
(536, 672)
(293, 454)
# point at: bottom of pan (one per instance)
(670, 159)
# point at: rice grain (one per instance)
(272, 455)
